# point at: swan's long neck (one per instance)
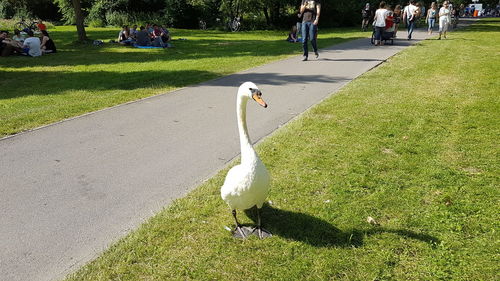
(247, 152)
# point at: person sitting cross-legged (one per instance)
(32, 45)
(47, 45)
(143, 38)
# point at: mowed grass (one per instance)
(80, 79)
(412, 144)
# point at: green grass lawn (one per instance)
(80, 79)
(413, 144)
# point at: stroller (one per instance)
(386, 36)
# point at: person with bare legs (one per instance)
(444, 19)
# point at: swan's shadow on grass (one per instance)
(320, 233)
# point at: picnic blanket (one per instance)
(147, 47)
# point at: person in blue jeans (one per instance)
(310, 10)
(410, 15)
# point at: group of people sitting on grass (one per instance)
(26, 42)
(150, 35)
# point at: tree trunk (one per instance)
(80, 28)
(266, 14)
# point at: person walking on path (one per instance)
(431, 17)
(379, 22)
(398, 13)
(366, 14)
(409, 15)
(310, 10)
(444, 19)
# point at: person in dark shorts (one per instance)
(310, 10)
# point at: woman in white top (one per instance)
(444, 19)
(379, 22)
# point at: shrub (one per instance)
(96, 23)
(117, 18)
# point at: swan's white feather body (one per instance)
(246, 185)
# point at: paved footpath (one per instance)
(68, 190)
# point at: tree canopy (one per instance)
(255, 14)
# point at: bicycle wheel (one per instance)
(33, 26)
(20, 26)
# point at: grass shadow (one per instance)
(84, 55)
(105, 80)
(58, 82)
(320, 233)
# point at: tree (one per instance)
(79, 19)
(72, 13)
(36, 9)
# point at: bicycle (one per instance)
(235, 24)
(25, 26)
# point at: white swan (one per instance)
(247, 184)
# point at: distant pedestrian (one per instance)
(430, 19)
(310, 10)
(398, 15)
(379, 22)
(366, 14)
(444, 19)
(409, 16)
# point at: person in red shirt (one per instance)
(41, 26)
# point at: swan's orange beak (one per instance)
(257, 97)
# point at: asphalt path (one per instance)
(70, 189)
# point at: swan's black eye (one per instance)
(255, 92)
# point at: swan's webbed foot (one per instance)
(261, 232)
(258, 230)
(242, 232)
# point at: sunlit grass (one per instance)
(413, 144)
(80, 79)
